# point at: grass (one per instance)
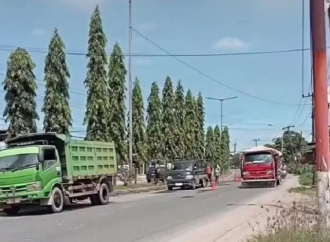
(298, 222)
(294, 224)
(305, 190)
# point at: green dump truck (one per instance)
(53, 170)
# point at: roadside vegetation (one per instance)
(297, 223)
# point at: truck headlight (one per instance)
(34, 187)
(189, 177)
(169, 178)
(270, 173)
(245, 173)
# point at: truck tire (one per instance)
(102, 197)
(12, 211)
(57, 200)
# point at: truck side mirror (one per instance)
(41, 157)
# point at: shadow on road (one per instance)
(40, 211)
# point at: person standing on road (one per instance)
(157, 174)
(217, 173)
(209, 172)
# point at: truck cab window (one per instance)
(49, 158)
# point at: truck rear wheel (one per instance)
(57, 200)
(102, 197)
(12, 211)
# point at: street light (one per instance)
(282, 141)
(221, 107)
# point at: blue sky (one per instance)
(184, 27)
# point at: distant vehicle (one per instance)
(150, 174)
(187, 173)
(261, 165)
(51, 170)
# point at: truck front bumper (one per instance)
(21, 198)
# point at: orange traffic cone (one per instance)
(214, 186)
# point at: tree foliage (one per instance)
(225, 148)
(117, 112)
(179, 108)
(56, 102)
(20, 92)
(294, 145)
(200, 117)
(138, 125)
(190, 126)
(97, 106)
(209, 145)
(218, 147)
(154, 124)
(168, 120)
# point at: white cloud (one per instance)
(84, 5)
(230, 43)
(143, 62)
(38, 32)
(146, 27)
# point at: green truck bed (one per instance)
(88, 159)
(79, 159)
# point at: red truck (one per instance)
(262, 165)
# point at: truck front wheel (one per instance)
(57, 200)
(102, 197)
(12, 211)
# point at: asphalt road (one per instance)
(159, 216)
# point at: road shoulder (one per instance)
(242, 222)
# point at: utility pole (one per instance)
(235, 145)
(130, 87)
(318, 38)
(221, 114)
(288, 129)
(256, 141)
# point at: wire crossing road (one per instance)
(160, 216)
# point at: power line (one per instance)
(206, 75)
(10, 48)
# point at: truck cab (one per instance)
(261, 165)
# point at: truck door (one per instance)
(50, 167)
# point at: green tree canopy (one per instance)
(190, 126)
(97, 106)
(180, 120)
(200, 114)
(20, 92)
(218, 147)
(117, 88)
(154, 124)
(139, 135)
(56, 102)
(168, 120)
(225, 148)
(209, 145)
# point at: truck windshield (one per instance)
(18, 161)
(179, 166)
(258, 158)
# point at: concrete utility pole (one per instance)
(288, 128)
(318, 34)
(235, 145)
(130, 87)
(256, 141)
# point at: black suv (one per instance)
(187, 173)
